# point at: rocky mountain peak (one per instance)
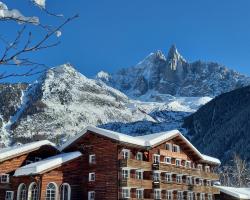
(174, 58)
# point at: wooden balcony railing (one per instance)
(136, 164)
(136, 183)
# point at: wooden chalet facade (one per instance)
(98, 164)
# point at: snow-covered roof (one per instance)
(144, 141)
(47, 164)
(10, 152)
(241, 193)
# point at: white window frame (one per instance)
(167, 160)
(56, 190)
(201, 181)
(7, 193)
(202, 196)
(90, 197)
(139, 193)
(179, 195)
(207, 168)
(188, 164)
(62, 187)
(91, 176)
(209, 183)
(190, 196)
(139, 174)
(5, 178)
(126, 193)
(168, 177)
(169, 195)
(92, 159)
(125, 173)
(200, 167)
(156, 158)
(126, 154)
(156, 176)
(179, 178)
(210, 197)
(189, 180)
(168, 146)
(157, 194)
(139, 156)
(33, 194)
(176, 148)
(178, 161)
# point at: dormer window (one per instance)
(5, 178)
(126, 154)
(176, 148)
(139, 156)
(168, 146)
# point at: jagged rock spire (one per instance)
(174, 57)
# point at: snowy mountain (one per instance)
(63, 101)
(158, 76)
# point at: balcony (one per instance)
(136, 164)
(186, 171)
(136, 183)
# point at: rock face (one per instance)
(157, 76)
(221, 127)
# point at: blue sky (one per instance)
(112, 34)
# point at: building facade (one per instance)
(105, 165)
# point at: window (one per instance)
(179, 195)
(207, 169)
(33, 192)
(190, 196)
(125, 173)
(51, 191)
(208, 183)
(139, 174)
(139, 194)
(179, 178)
(65, 192)
(139, 156)
(178, 162)
(92, 159)
(157, 194)
(156, 158)
(5, 178)
(167, 160)
(125, 153)
(210, 197)
(91, 195)
(189, 180)
(202, 196)
(168, 177)
(169, 195)
(201, 181)
(21, 192)
(168, 146)
(188, 164)
(125, 193)
(92, 176)
(9, 195)
(199, 167)
(176, 148)
(157, 176)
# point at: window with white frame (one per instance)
(65, 191)
(202, 196)
(199, 166)
(189, 180)
(125, 153)
(201, 182)
(179, 178)
(139, 174)
(188, 164)
(207, 168)
(125, 193)
(190, 196)
(168, 146)
(139, 156)
(178, 162)
(167, 160)
(125, 173)
(210, 197)
(33, 191)
(21, 192)
(208, 182)
(157, 176)
(156, 158)
(91, 176)
(169, 195)
(91, 195)
(9, 195)
(176, 148)
(51, 191)
(157, 194)
(92, 159)
(195, 196)
(179, 195)
(5, 178)
(168, 177)
(139, 193)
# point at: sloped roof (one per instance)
(241, 193)
(10, 152)
(144, 141)
(46, 164)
